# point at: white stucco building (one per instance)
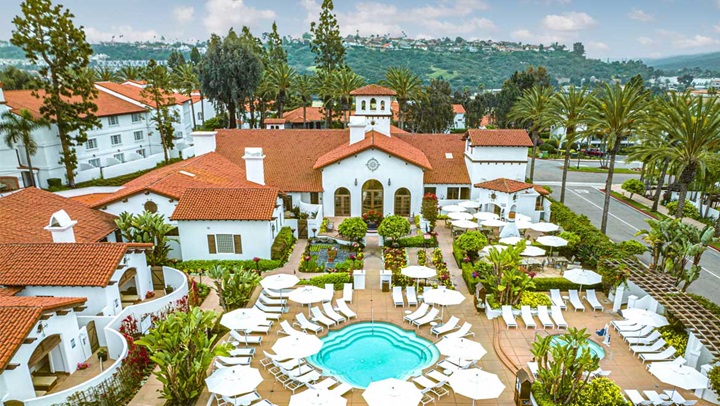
(459, 120)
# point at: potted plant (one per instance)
(102, 354)
(372, 218)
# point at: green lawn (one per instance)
(638, 206)
(600, 170)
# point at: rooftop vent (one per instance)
(448, 155)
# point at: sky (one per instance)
(615, 29)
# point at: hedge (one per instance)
(282, 246)
(57, 185)
(338, 279)
(556, 282)
(416, 241)
(204, 265)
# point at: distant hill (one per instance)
(703, 62)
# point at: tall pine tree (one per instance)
(326, 43)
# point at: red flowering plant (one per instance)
(372, 216)
(150, 294)
(82, 365)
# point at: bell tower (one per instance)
(373, 103)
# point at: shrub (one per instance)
(418, 241)
(429, 209)
(422, 257)
(338, 279)
(689, 209)
(600, 392)
(632, 247)
(714, 377)
(676, 336)
(470, 243)
(534, 299)
(201, 266)
(471, 273)
(593, 243)
(282, 246)
(394, 227)
(54, 182)
(353, 228)
(548, 148)
(234, 287)
(548, 188)
(545, 284)
(633, 186)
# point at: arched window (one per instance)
(342, 202)
(382, 105)
(402, 202)
(373, 104)
(364, 105)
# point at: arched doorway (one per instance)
(402, 202)
(342, 202)
(372, 196)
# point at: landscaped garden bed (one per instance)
(327, 255)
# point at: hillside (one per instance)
(709, 61)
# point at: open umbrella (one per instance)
(544, 227)
(646, 317)
(582, 277)
(493, 223)
(680, 376)
(279, 281)
(470, 204)
(532, 251)
(243, 319)
(452, 207)
(461, 348)
(488, 248)
(476, 384)
(444, 297)
(522, 225)
(522, 217)
(459, 215)
(393, 392)
(233, 381)
(484, 215)
(464, 224)
(418, 272)
(317, 397)
(551, 241)
(297, 346)
(511, 240)
(308, 295)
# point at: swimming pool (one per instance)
(594, 347)
(365, 352)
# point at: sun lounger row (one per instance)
(423, 315)
(542, 313)
(672, 397)
(575, 300)
(237, 339)
(410, 294)
(246, 399)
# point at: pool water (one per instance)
(365, 352)
(594, 347)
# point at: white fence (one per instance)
(119, 169)
(117, 346)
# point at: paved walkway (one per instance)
(661, 209)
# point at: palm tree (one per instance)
(567, 108)
(650, 151)
(530, 110)
(185, 79)
(279, 79)
(304, 89)
(18, 129)
(105, 74)
(322, 81)
(343, 82)
(692, 125)
(406, 84)
(128, 72)
(617, 112)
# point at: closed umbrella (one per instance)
(464, 224)
(453, 207)
(544, 227)
(233, 381)
(493, 223)
(476, 384)
(444, 297)
(317, 397)
(532, 251)
(461, 348)
(308, 295)
(646, 317)
(582, 277)
(392, 392)
(243, 319)
(470, 204)
(511, 240)
(484, 215)
(460, 215)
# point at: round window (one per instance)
(151, 206)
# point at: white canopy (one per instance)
(461, 348)
(317, 397)
(234, 380)
(552, 241)
(476, 384)
(522, 217)
(465, 224)
(680, 376)
(308, 295)
(487, 248)
(470, 204)
(532, 251)
(392, 392)
(582, 277)
(452, 207)
(522, 225)
(544, 227)
(279, 281)
(493, 223)
(511, 240)
(484, 215)
(645, 317)
(418, 272)
(243, 319)
(460, 215)
(297, 346)
(443, 297)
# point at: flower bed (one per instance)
(324, 255)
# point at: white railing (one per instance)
(117, 346)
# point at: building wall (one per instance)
(100, 300)
(487, 163)
(257, 238)
(204, 110)
(459, 121)
(135, 204)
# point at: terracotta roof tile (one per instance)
(46, 303)
(311, 114)
(134, 92)
(458, 109)
(436, 147)
(498, 138)
(108, 105)
(226, 204)
(373, 90)
(66, 264)
(541, 190)
(25, 213)
(275, 121)
(391, 145)
(504, 185)
(10, 291)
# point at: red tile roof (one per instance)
(10, 291)
(504, 185)
(498, 138)
(458, 109)
(205, 171)
(373, 90)
(275, 121)
(134, 92)
(226, 204)
(25, 213)
(311, 114)
(108, 105)
(61, 264)
(373, 139)
(541, 190)
(436, 147)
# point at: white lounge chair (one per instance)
(327, 307)
(557, 316)
(654, 336)
(527, 317)
(463, 331)
(446, 327)
(591, 297)
(306, 324)
(455, 364)
(345, 310)
(679, 361)
(656, 399)
(277, 294)
(242, 352)
(421, 311)
(348, 292)
(271, 309)
(626, 328)
(678, 398)
(326, 383)
(397, 296)
(259, 329)
(508, 317)
(270, 301)
(240, 400)
(330, 288)
(341, 389)
(232, 361)
(435, 387)
(319, 317)
(411, 296)
(667, 354)
(643, 332)
(575, 300)
(244, 339)
(545, 317)
(287, 329)
(557, 299)
(636, 398)
(430, 316)
(425, 290)
(657, 346)
(619, 324)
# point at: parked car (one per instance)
(593, 152)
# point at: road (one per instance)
(584, 197)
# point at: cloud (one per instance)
(597, 46)
(221, 15)
(679, 40)
(524, 35)
(122, 33)
(639, 15)
(183, 14)
(571, 21)
(646, 41)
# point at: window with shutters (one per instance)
(224, 244)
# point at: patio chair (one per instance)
(455, 364)
(277, 293)
(508, 317)
(426, 398)
(636, 398)
(239, 400)
(242, 352)
(436, 375)
(591, 297)
(679, 361)
(270, 301)
(330, 312)
(411, 296)
(557, 298)
(678, 398)
(448, 326)
(344, 309)
(527, 317)
(306, 324)
(287, 329)
(600, 373)
(621, 324)
(545, 317)
(319, 317)
(557, 316)
(325, 384)
(656, 399)
(654, 336)
(244, 339)
(430, 316)
(341, 389)
(425, 290)
(232, 361)
(271, 309)
(667, 354)
(575, 300)
(435, 387)
(657, 346)
(643, 332)
(259, 329)
(629, 328)
(397, 296)
(330, 288)
(463, 331)
(348, 292)
(421, 311)
(297, 382)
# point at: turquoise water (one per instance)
(365, 352)
(594, 347)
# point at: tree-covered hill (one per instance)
(709, 62)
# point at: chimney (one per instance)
(357, 129)
(61, 227)
(254, 166)
(204, 142)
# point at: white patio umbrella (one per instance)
(544, 227)
(680, 376)
(487, 248)
(582, 277)
(452, 207)
(522, 217)
(308, 295)
(476, 384)
(317, 397)
(233, 381)
(510, 240)
(532, 251)
(279, 281)
(461, 348)
(443, 297)
(465, 224)
(646, 317)
(460, 215)
(522, 225)
(393, 392)
(470, 204)
(493, 223)
(484, 215)
(552, 241)
(243, 319)
(418, 272)
(297, 346)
